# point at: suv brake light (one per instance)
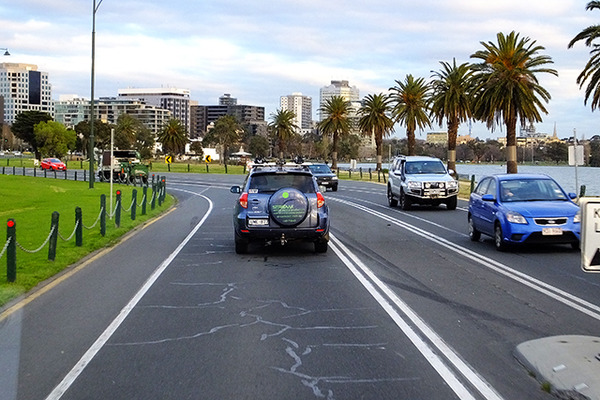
(244, 200)
(320, 200)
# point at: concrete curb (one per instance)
(569, 363)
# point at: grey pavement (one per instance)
(569, 363)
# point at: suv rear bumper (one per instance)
(275, 232)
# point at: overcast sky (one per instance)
(260, 50)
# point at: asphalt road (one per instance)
(402, 306)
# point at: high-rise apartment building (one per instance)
(253, 117)
(173, 99)
(24, 88)
(339, 88)
(301, 106)
(351, 94)
(70, 110)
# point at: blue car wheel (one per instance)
(499, 241)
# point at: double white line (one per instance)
(417, 331)
(440, 355)
(555, 293)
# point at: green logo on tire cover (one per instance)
(290, 212)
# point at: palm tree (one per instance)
(283, 127)
(375, 120)
(173, 137)
(226, 132)
(411, 99)
(507, 88)
(591, 72)
(336, 123)
(451, 100)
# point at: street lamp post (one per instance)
(6, 53)
(91, 144)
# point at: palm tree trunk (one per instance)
(334, 151)
(410, 136)
(452, 133)
(379, 149)
(511, 145)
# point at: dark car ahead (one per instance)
(277, 204)
(325, 176)
(523, 208)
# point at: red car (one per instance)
(53, 164)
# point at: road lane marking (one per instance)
(384, 295)
(553, 292)
(68, 380)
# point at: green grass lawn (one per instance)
(30, 202)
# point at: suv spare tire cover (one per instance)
(288, 206)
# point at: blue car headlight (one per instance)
(577, 217)
(515, 218)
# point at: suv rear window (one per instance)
(270, 183)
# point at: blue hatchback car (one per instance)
(523, 208)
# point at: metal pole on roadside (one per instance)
(575, 158)
(112, 138)
(53, 237)
(11, 251)
(78, 228)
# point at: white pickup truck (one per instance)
(421, 180)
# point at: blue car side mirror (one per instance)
(235, 189)
(488, 197)
(572, 195)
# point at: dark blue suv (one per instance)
(280, 203)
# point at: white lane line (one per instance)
(553, 292)
(410, 216)
(114, 325)
(434, 360)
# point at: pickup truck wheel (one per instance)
(405, 202)
(451, 203)
(392, 202)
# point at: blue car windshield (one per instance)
(531, 190)
(425, 167)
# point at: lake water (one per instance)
(564, 175)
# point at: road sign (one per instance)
(575, 155)
(590, 233)
(208, 159)
(168, 159)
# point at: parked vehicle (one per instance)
(126, 167)
(325, 176)
(521, 209)
(421, 180)
(53, 163)
(278, 204)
